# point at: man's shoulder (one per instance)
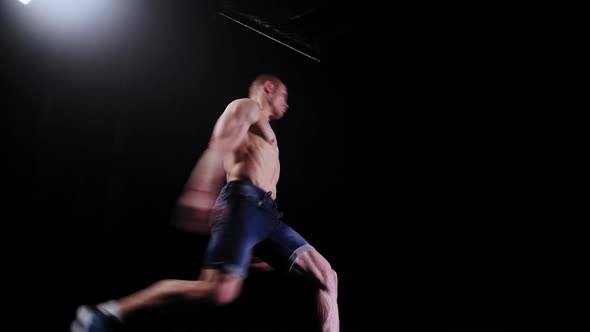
(243, 103)
(244, 107)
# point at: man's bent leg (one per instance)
(214, 287)
(314, 267)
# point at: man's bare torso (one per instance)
(256, 158)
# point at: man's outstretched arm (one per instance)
(208, 176)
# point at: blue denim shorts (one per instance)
(245, 217)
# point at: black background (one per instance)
(401, 200)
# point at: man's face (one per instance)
(278, 101)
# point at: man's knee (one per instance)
(330, 279)
(223, 295)
(226, 290)
(327, 279)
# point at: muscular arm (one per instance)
(208, 175)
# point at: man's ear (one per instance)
(269, 86)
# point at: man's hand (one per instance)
(193, 211)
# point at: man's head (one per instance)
(271, 93)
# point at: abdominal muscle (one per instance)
(256, 160)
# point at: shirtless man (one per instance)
(231, 194)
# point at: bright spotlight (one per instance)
(75, 28)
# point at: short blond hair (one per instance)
(259, 81)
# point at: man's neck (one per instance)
(265, 108)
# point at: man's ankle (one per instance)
(111, 308)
